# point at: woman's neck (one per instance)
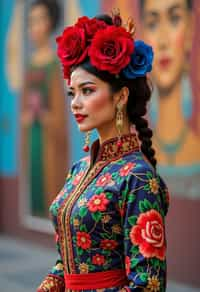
(170, 117)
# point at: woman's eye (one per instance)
(175, 19)
(87, 90)
(70, 94)
(151, 25)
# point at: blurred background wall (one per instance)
(171, 27)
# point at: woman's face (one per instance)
(91, 101)
(167, 27)
(39, 24)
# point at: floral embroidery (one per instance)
(116, 229)
(83, 240)
(98, 259)
(98, 203)
(103, 180)
(153, 284)
(149, 235)
(108, 244)
(84, 268)
(127, 265)
(154, 187)
(77, 178)
(115, 218)
(106, 218)
(76, 222)
(124, 171)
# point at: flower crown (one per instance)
(110, 48)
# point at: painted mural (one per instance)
(171, 27)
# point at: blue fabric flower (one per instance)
(141, 61)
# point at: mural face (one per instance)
(168, 27)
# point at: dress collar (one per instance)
(109, 150)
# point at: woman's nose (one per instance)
(76, 102)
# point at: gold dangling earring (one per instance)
(119, 124)
(86, 147)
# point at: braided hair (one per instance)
(139, 95)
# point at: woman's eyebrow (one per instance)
(82, 84)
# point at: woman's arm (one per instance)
(144, 229)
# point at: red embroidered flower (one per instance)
(71, 48)
(108, 244)
(91, 26)
(83, 240)
(78, 178)
(126, 168)
(103, 180)
(111, 49)
(98, 203)
(127, 265)
(148, 233)
(98, 259)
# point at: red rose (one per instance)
(98, 259)
(83, 240)
(98, 203)
(148, 233)
(126, 169)
(127, 265)
(103, 180)
(72, 48)
(108, 244)
(91, 26)
(111, 49)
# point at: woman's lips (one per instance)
(80, 118)
(165, 62)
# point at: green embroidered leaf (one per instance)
(83, 211)
(79, 251)
(106, 235)
(147, 204)
(156, 206)
(146, 187)
(109, 195)
(126, 232)
(106, 252)
(149, 174)
(88, 261)
(99, 190)
(97, 216)
(131, 198)
(143, 277)
(91, 268)
(134, 262)
(114, 175)
(134, 249)
(83, 228)
(120, 161)
(139, 269)
(132, 220)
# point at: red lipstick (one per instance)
(165, 62)
(79, 117)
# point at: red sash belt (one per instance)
(98, 280)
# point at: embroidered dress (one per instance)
(109, 223)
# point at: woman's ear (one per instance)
(122, 96)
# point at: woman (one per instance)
(109, 216)
(168, 27)
(43, 114)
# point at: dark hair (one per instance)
(142, 2)
(139, 95)
(53, 9)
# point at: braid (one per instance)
(136, 109)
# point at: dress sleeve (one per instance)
(54, 281)
(144, 232)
